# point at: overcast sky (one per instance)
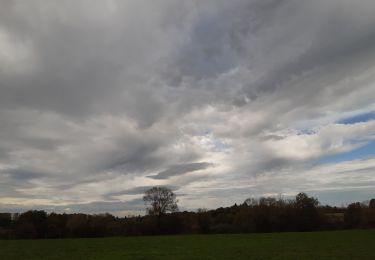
(218, 100)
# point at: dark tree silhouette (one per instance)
(353, 215)
(302, 213)
(32, 224)
(160, 200)
(372, 204)
(307, 212)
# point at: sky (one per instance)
(217, 100)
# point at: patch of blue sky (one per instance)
(220, 146)
(363, 152)
(365, 117)
(343, 197)
(217, 145)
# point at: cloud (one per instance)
(180, 169)
(115, 207)
(138, 190)
(105, 97)
(20, 174)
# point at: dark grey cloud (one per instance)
(22, 174)
(139, 190)
(180, 169)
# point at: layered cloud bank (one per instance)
(219, 100)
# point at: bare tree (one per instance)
(160, 200)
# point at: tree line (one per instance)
(302, 213)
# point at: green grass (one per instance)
(358, 244)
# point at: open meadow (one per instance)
(357, 244)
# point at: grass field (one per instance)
(317, 245)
